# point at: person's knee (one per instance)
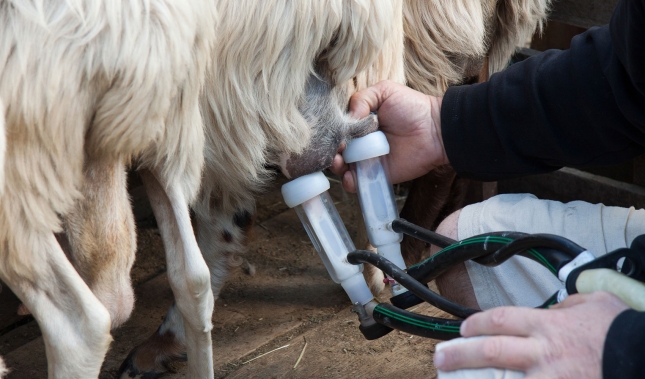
(455, 283)
(449, 228)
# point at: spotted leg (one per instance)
(188, 275)
(221, 233)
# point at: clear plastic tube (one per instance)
(332, 242)
(376, 197)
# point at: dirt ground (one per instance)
(281, 298)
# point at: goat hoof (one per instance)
(153, 357)
(129, 370)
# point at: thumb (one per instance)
(368, 100)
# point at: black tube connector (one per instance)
(400, 225)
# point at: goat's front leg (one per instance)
(188, 273)
(221, 234)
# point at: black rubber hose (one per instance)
(429, 269)
(362, 256)
(414, 323)
(531, 241)
(550, 301)
(400, 225)
(492, 249)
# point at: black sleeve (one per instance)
(577, 107)
(624, 350)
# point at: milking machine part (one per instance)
(574, 265)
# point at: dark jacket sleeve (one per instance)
(624, 350)
(577, 107)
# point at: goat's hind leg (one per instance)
(101, 234)
(74, 324)
(188, 275)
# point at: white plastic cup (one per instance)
(315, 208)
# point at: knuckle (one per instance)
(499, 317)
(492, 349)
(553, 351)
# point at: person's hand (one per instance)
(411, 122)
(565, 341)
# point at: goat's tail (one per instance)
(3, 148)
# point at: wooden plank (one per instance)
(489, 189)
(583, 13)
(556, 35)
(639, 170)
(570, 184)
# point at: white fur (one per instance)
(267, 52)
(448, 40)
(106, 81)
(3, 148)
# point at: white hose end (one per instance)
(582, 258)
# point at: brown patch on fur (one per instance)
(155, 353)
(226, 235)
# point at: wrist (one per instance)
(440, 156)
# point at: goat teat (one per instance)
(324, 109)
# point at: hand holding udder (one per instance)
(565, 341)
(411, 122)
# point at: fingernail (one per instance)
(439, 359)
(462, 329)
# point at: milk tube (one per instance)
(366, 156)
(315, 208)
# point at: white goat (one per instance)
(88, 86)
(283, 72)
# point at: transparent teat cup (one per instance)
(315, 208)
(366, 159)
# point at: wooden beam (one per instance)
(583, 13)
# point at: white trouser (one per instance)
(520, 281)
